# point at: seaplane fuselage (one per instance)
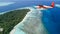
(44, 6)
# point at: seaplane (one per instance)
(44, 6)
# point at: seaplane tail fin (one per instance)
(52, 5)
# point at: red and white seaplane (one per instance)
(44, 6)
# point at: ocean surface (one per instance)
(50, 19)
(21, 4)
(43, 20)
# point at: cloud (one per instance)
(57, 5)
(6, 3)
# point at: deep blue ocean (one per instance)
(51, 20)
(21, 4)
(51, 17)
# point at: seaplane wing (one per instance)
(47, 6)
(44, 6)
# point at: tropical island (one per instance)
(10, 19)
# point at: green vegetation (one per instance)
(10, 19)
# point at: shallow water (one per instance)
(49, 20)
(31, 24)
